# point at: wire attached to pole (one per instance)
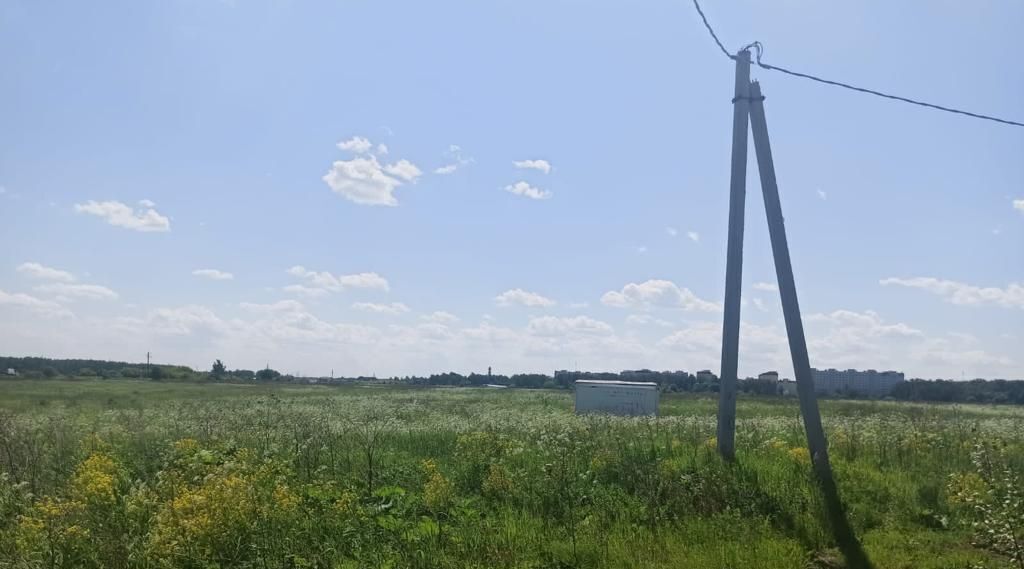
(759, 50)
(712, 31)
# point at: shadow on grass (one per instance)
(839, 525)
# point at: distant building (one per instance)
(705, 376)
(11, 371)
(617, 397)
(769, 376)
(787, 388)
(870, 383)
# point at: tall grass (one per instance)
(136, 474)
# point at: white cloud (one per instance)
(121, 215)
(441, 317)
(760, 305)
(364, 280)
(382, 149)
(274, 307)
(656, 293)
(364, 181)
(65, 287)
(542, 165)
(524, 298)
(38, 271)
(766, 287)
(964, 294)
(403, 169)
(326, 281)
(147, 203)
(822, 194)
(557, 326)
(526, 190)
(303, 290)
(32, 304)
(672, 231)
(1018, 205)
(646, 319)
(356, 144)
(213, 274)
(185, 320)
(454, 152)
(693, 235)
(866, 324)
(392, 308)
(87, 291)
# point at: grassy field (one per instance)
(142, 474)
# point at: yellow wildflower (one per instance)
(800, 455)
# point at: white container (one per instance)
(616, 397)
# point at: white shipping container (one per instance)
(616, 397)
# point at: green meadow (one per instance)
(123, 473)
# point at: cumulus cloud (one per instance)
(528, 191)
(325, 281)
(121, 215)
(185, 320)
(523, 298)
(440, 317)
(279, 306)
(358, 145)
(86, 291)
(403, 169)
(454, 153)
(32, 304)
(542, 165)
(693, 235)
(303, 290)
(1018, 205)
(766, 287)
(656, 293)
(364, 181)
(38, 271)
(147, 203)
(560, 326)
(213, 274)
(962, 293)
(64, 285)
(645, 320)
(391, 308)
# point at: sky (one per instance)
(395, 188)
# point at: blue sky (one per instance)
(145, 141)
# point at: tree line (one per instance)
(997, 391)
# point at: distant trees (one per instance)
(218, 370)
(973, 391)
(267, 374)
(156, 373)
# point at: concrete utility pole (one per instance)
(734, 261)
(816, 442)
(787, 287)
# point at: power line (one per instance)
(711, 30)
(759, 49)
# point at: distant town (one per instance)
(850, 383)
